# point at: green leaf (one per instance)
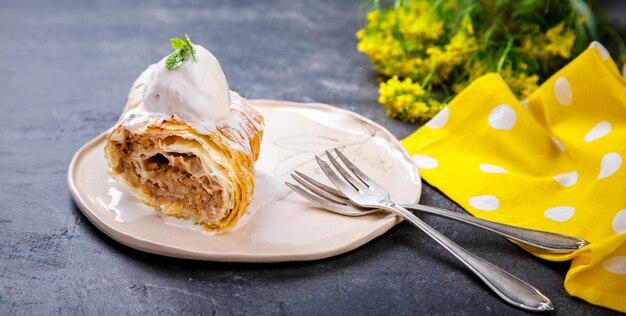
(183, 48)
(193, 51)
(175, 59)
(178, 43)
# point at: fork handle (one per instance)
(509, 287)
(542, 240)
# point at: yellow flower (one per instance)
(557, 41)
(560, 43)
(423, 41)
(554, 32)
(522, 84)
(360, 34)
(418, 22)
(395, 39)
(372, 16)
(453, 54)
(404, 100)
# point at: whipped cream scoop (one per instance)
(196, 91)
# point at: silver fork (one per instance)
(364, 192)
(333, 200)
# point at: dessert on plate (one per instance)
(185, 143)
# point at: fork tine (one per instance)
(357, 172)
(319, 184)
(328, 205)
(320, 192)
(313, 198)
(345, 188)
(344, 173)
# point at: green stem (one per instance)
(506, 51)
(429, 76)
(436, 5)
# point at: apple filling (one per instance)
(176, 181)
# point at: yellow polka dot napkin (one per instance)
(552, 162)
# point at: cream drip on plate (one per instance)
(128, 208)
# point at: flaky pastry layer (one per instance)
(207, 177)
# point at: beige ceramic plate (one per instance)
(279, 225)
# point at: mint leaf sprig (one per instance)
(183, 48)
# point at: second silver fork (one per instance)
(363, 191)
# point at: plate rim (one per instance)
(157, 248)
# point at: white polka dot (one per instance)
(439, 120)
(563, 91)
(567, 179)
(491, 168)
(604, 54)
(624, 72)
(502, 117)
(524, 103)
(425, 162)
(610, 163)
(484, 202)
(615, 264)
(619, 222)
(600, 130)
(558, 143)
(559, 213)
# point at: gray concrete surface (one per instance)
(65, 69)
